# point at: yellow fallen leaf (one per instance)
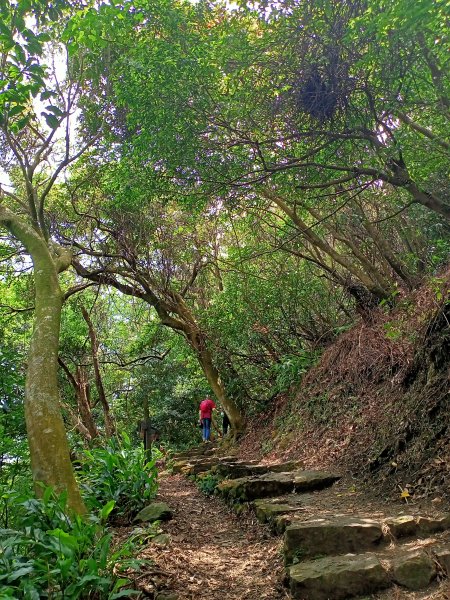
(405, 494)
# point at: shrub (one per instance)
(56, 555)
(118, 472)
(208, 483)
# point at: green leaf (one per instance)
(51, 120)
(106, 510)
(16, 110)
(124, 594)
(20, 573)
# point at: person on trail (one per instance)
(205, 415)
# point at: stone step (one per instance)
(197, 451)
(324, 537)
(269, 510)
(408, 525)
(247, 489)
(352, 575)
(343, 534)
(237, 470)
(194, 466)
(337, 577)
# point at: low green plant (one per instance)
(292, 367)
(54, 554)
(208, 483)
(320, 408)
(118, 472)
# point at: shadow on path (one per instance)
(213, 554)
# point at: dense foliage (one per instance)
(52, 554)
(195, 199)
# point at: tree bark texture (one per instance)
(49, 448)
(109, 423)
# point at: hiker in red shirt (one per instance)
(205, 415)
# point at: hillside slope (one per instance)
(377, 405)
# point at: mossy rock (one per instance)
(163, 539)
(157, 511)
(413, 570)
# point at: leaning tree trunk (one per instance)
(49, 448)
(198, 343)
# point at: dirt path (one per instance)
(213, 554)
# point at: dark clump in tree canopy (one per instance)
(317, 97)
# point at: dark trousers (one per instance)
(225, 424)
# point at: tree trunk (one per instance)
(109, 424)
(429, 200)
(198, 343)
(49, 448)
(84, 421)
(176, 315)
(84, 402)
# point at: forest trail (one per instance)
(213, 553)
(337, 542)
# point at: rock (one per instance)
(238, 470)
(313, 480)
(443, 556)
(268, 509)
(338, 535)
(179, 465)
(194, 467)
(281, 522)
(266, 512)
(413, 570)
(433, 524)
(247, 489)
(166, 596)
(157, 511)
(402, 526)
(163, 539)
(203, 450)
(337, 577)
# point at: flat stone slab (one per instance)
(442, 554)
(157, 511)
(337, 577)
(204, 450)
(247, 489)
(403, 526)
(414, 569)
(313, 480)
(268, 509)
(338, 535)
(345, 576)
(238, 470)
(408, 525)
(194, 466)
(433, 524)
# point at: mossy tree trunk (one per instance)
(197, 342)
(49, 448)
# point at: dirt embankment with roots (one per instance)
(377, 405)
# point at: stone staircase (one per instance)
(340, 555)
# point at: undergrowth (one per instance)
(118, 472)
(54, 554)
(47, 552)
(208, 483)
